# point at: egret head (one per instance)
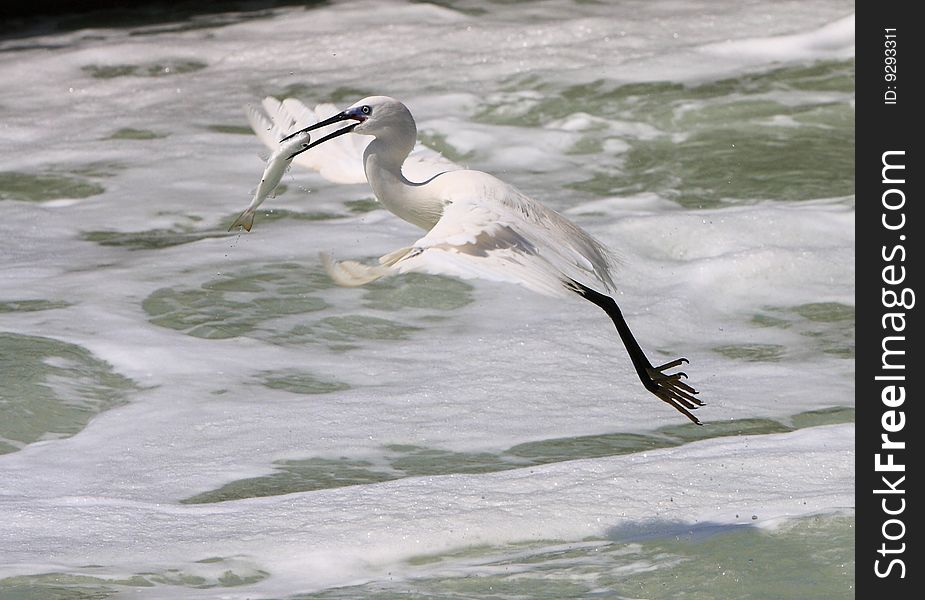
(379, 116)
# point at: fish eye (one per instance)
(366, 110)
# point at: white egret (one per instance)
(479, 227)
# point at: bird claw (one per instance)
(670, 389)
(670, 365)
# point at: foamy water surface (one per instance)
(191, 413)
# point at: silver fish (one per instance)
(276, 166)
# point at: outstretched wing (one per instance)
(513, 240)
(339, 160)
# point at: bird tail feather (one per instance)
(350, 273)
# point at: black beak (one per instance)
(335, 119)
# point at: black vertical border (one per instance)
(883, 127)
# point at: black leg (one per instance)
(668, 388)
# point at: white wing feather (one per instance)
(514, 240)
(339, 160)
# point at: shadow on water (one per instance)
(806, 558)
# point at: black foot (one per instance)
(669, 388)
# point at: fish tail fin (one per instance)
(245, 220)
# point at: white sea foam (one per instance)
(506, 369)
(345, 536)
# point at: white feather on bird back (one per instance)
(490, 230)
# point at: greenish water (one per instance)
(39, 187)
(210, 573)
(811, 557)
(158, 69)
(130, 133)
(807, 558)
(828, 327)
(230, 129)
(709, 144)
(299, 382)
(153, 239)
(783, 135)
(236, 304)
(399, 461)
(31, 305)
(51, 389)
(253, 300)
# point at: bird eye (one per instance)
(366, 110)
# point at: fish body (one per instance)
(276, 166)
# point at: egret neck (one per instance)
(417, 203)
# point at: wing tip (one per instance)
(350, 273)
